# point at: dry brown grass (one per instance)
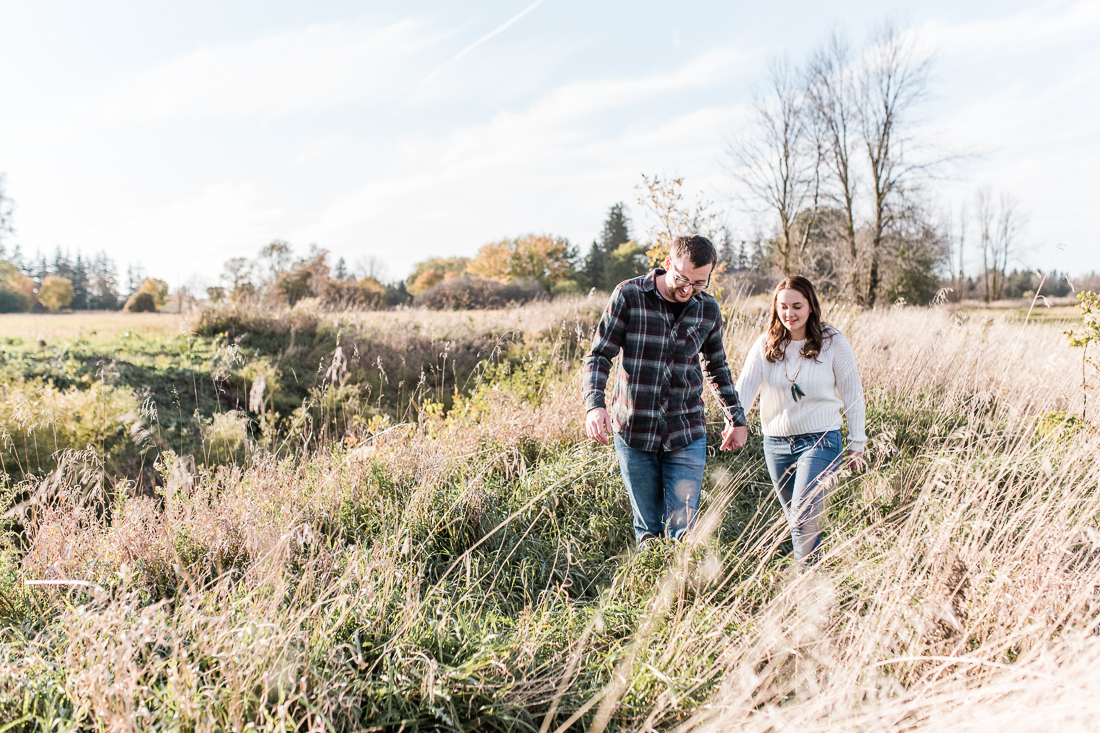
(473, 571)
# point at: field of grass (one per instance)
(423, 540)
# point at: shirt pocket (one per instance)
(693, 340)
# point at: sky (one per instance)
(177, 135)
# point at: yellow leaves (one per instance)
(531, 256)
(492, 261)
(675, 216)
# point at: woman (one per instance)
(806, 376)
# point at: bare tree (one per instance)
(960, 241)
(238, 275)
(831, 91)
(372, 267)
(674, 216)
(779, 162)
(1010, 223)
(277, 257)
(986, 216)
(954, 233)
(892, 81)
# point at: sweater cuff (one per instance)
(859, 446)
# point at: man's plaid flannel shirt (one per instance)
(658, 400)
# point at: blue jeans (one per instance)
(802, 467)
(664, 487)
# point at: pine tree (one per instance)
(758, 257)
(726, 255)
(62, 266)
(103, 285)
(40, 270)
(616, 229)
(17, 259)
(135, 276)
(594, 266)
(341, 271)
(79, 278)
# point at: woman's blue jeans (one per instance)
(664, 487)
(802, 469)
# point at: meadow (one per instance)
(403, 528)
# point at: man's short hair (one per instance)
(697, 248)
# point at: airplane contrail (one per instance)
(482, 40)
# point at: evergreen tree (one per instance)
(62, 266)
(594, 265)
(103, 284)
(616, 229)
(39, 270)
(17, 259)
(616, 232)
(135, 276)
(79, 278)
(758, 257)
(341, 271)
(742, 257)
(726, 254)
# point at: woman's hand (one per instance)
(855, 460)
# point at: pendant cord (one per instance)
(796, 391)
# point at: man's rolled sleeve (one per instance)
(606, 344)
(720, 377)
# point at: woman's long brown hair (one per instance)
(779, 335)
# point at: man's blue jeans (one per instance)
(802, 467)
(664, 487)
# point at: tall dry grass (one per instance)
(474, 571)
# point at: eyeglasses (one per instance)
(683, 283)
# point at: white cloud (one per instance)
(549, 167)
(1021, 91)
(311, 70)
(1048, 24)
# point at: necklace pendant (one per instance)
(796, 392)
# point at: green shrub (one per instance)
(140, 302)
(39, 421)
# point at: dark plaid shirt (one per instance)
(658, 400)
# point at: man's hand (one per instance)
(855, 460)
(734, 437)
(595, 423)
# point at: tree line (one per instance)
(75, 283)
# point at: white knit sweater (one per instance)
(831, 384)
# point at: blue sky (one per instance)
(178, 135)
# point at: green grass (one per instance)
(475, 569)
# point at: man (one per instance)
(663, 323)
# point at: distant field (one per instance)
(46, 326)
(1055, 310)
